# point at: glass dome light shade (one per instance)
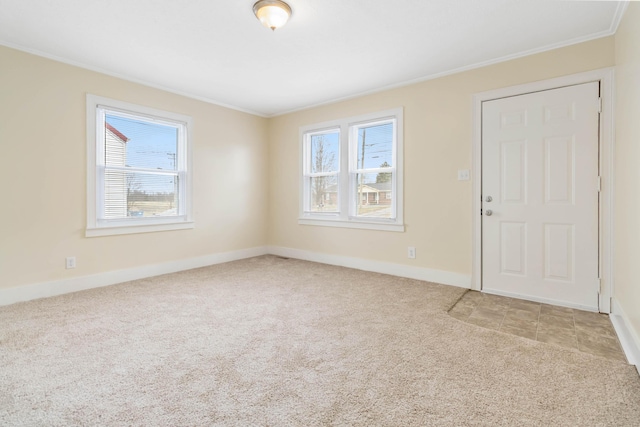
(272, 13)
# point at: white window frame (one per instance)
(307, 174)
(347, 193)
(97, 226)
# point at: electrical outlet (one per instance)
(464, 175)
(411, 252)
(71, 262)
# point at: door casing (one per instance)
(606, 156)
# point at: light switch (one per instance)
(463, 174)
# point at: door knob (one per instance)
(488, 212)
(489, 199)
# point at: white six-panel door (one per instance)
(540, 196)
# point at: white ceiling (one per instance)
(219, 52)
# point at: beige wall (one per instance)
(437, 142)
(42, 132)
(627, 167)
(43, 171)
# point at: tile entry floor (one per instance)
(582, 330)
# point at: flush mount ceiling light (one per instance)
(272, 13)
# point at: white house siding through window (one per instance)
(115, 181)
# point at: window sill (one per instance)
(139, 228)
(358, 224)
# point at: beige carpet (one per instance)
(275, 342)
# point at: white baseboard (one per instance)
(75, 284)
(629, 338)
(419, 273)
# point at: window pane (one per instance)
(324, 152)
(375, 146)
(374, 195)
(140, 195)
(140, 144)
(323, 194)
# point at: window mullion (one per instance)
(375, 170)
(129, 169)
(345, 177)
(320, 174)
